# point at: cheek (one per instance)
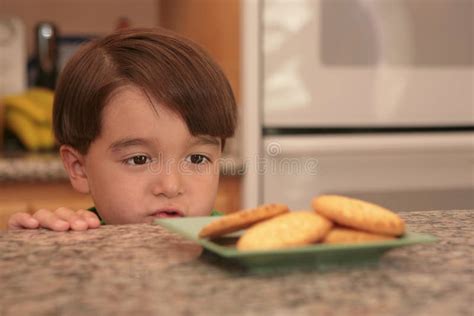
(105, 179)
(202, 183)
(203, 189)
(119, 203)
(115, 193)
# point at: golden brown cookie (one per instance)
(341, 235)
(359, 215)
(287, 230)
(241, 219)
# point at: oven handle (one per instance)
(329, 144)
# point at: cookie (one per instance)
(241, 219)
(287, 230)
(359, 214)
(341, 235)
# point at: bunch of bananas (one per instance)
(29, 117)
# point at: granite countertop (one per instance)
(31, 167)
(146, 270)
(49, 167)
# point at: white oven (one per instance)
(368, 98)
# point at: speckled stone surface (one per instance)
(32, 167)
(145, 270)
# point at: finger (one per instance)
(22, 220)
(48, 219)
(75, 221)
(90, 217)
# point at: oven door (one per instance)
(359, 63)
(401, 172)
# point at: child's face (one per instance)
(146, 164)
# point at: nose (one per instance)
(168, 183)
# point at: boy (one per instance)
(141, 117)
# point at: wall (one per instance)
(81, 17)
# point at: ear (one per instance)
(73, 162)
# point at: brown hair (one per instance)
(172, 70)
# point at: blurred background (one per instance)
(366, 98)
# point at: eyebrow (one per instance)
(128, 142)
(205, 140)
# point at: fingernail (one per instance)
(95, 221)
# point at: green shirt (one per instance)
(94, 210)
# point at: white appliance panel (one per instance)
(368, 63)
(419, 172)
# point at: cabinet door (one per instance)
(31, 196)
(228, 195)
(7, 208)
(213, 24)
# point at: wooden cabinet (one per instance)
(228, 195)
(30, 196)
(213, 24)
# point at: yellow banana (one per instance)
(24, 105)
(44, 99)
(29, 116)
(24, 128)
(43, 96)
(46, 137)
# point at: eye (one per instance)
(197, 159)
(137, 160)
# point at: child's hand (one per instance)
(61, 219)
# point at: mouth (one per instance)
(168, 213)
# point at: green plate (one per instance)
(317, 255)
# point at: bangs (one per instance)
(179, 75)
